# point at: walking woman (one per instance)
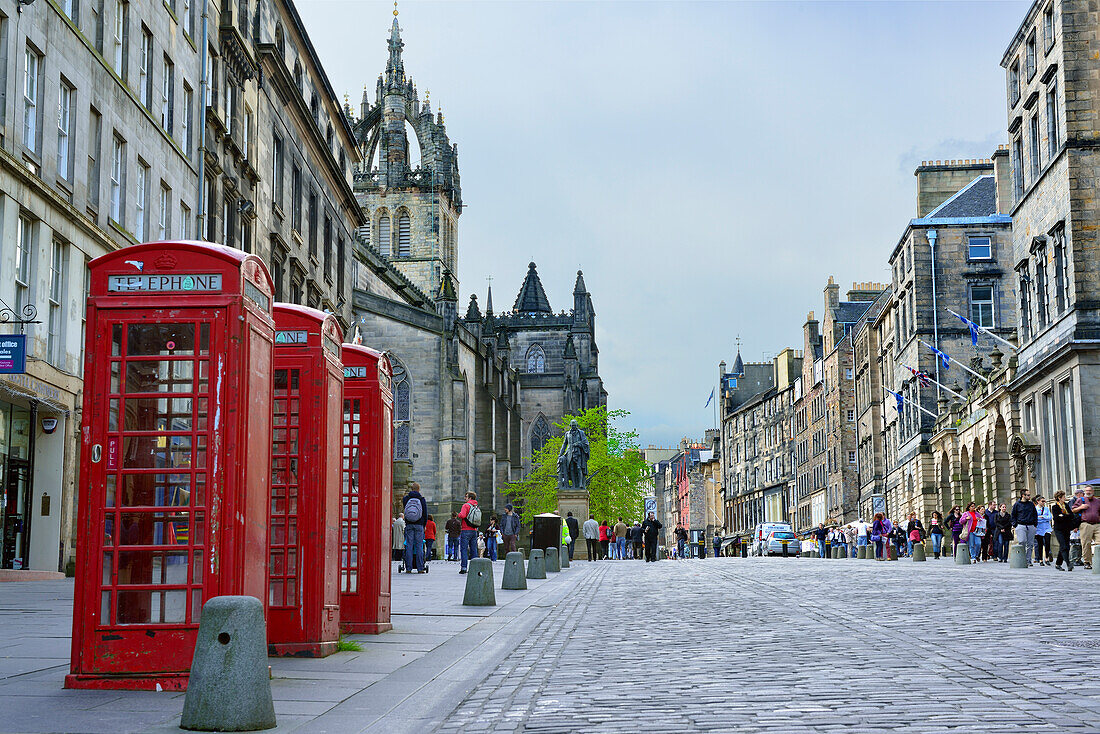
(1043, 531)
(605, 539)
(492, 534)
(968, 531)
(954, 524)
(429, 539)
(914, 531)
(879, 531)
(935, 530)
(1064, 522)
(1003, 528)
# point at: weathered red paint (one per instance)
(174, 456)
(303, 602)
(367, 492)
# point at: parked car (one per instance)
(762, 531)
(773, 546)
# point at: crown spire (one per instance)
(395, 67)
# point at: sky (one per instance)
(707, 165)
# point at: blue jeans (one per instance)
(620, 544)
(937, 542)
(680, 547)
(974, 543)
(491, 548)
(909, 546)
(452, 548)
(414, 548)
(467, 544)
(820, 549)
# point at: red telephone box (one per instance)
(366, 492)
(303, 602)
(174, 456)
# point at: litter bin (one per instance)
(546, 531)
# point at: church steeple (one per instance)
(532, 297)
(395, 67)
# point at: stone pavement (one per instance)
(718, 645)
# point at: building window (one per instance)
(402, 411)
(536, 359)
(1042, 316)
(64, 124)
(979, 248)
(403, 235)
(187, 120)
(1069, 431)
(118, 173)
(246, 233)
(1034, 145)
(278, 273)
(1018, 169)
(1048, 26)
(326, 249)
(164, 224)
(1014, 82)
(55, 352)
(95, 133)
(188, 15)
(24, 255)
(540, 434)
(122, 36)
(141, 203)
(71, 8)
(848, 373)
(167, 96)
(31, 70)
(230, 106)
(851, 415)
(246, 133)
(981, 305)
(277, 170)
(185, 222)
(384, 234)
(296, 199)
(1052, 119)
(1029, 55)
(1061, 276)
(312, 215)
(227, 221)
(1024, 286)
(145, 76)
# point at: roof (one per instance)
(849, 312)
(738, 365)
(977, 199)
(532, 297)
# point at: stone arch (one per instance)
(535, 359)
(280, 39)
(946, 496)
(1001, 465)
(539, 433)
(963, 475)
(384, 228)
(402, 410)
(404, 232)
(977, 473)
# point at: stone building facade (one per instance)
(870, 340)
(1052, 88)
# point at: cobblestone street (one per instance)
(803, 645)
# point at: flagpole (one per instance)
(960, 364)
(985, 331)
(913, 402)
(937, 382)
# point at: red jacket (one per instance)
(604, 533)
(464, 512)
(429, 530)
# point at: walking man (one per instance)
(470, 515)
(592, 537)
(509, 530)
(1089, 531)
(681, 541)
(650, 528)
(453, 528)
(620, 539)
(1025, 518)
(574, 531)
(416, 517)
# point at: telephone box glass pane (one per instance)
(160, 339)
(283, 538)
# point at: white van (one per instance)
(761, 533)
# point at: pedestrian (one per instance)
(415, 516)
(1088, 509)
(509, 530)
(574, 531)
(953, 522)
(717, 542)
(470, 516)
(1075, 547)
(638, 541)
(968, 534)
(879, 531)
(620, 539)
(492, 534)
(935, 531)
(605, 540)
(481, 545)
(898, 534)
(591, 530)
(429, 540)
(1064, 522)
(820, 534)
(565, 541)
(1025, 519)
(650, 528)
(990, 514)
(681, 540)
(1043, 531)
(453, 529)
(861, 529)
(1003, 532)
(914, 531)
(398, 530)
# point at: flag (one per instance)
(710, 398)
(357, 337)
(925, 380)
(899, 398)
(944, 359)
(973, 329)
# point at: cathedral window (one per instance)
(404, 236)
(540, 434)
(384, 234)
(402, 411)
(536, 359)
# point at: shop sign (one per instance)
(13, 354)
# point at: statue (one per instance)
(573, 458)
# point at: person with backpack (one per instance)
(453, 528)
(969, 523)
(650, 528)
(416, 517)
(880, 531)
(470, 517)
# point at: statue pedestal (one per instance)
(575, 500)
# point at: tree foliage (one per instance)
(616, 469)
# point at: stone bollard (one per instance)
(836, 551)
(513, 572)
(479, 584)
(892, 552)
(861, 552)
(229, 689)
(553, 562)
(962, 555)
(1017, 557)
(536, 566)
(918, 552)
(1096, 559)
(563, 556)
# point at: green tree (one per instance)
(616, 469)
